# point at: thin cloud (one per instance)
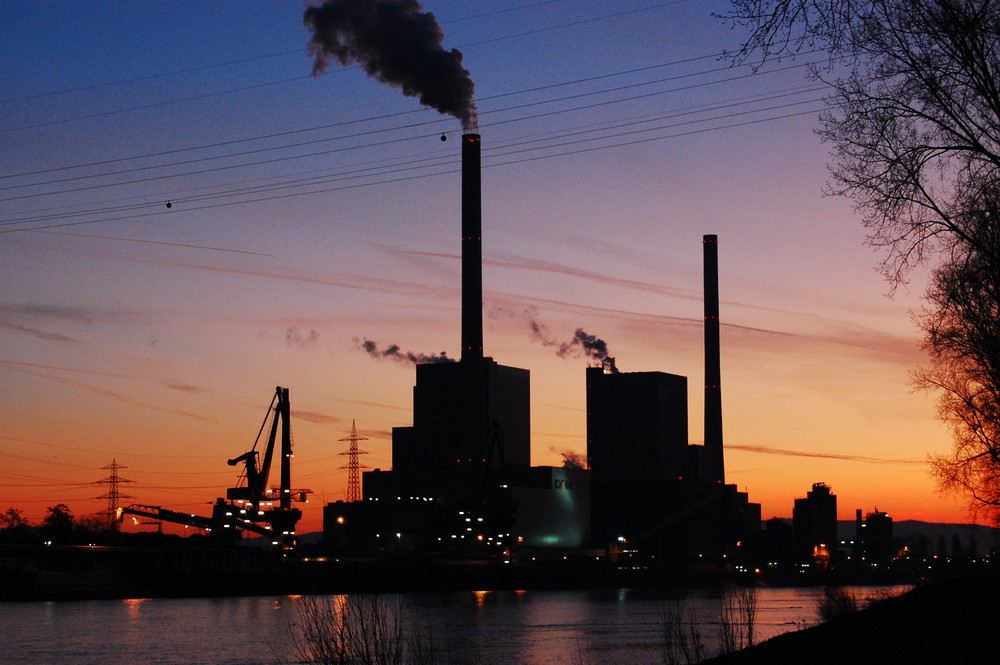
(67, 313)
(316, 417)
(30, 368)
(183, 387)
(505, 260)
(801, 453)
(18, 364)
(381, 405)
(40, 334)
(883, 346)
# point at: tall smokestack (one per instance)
(714, 462)
(472, 250)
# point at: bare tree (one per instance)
(914, 122)
(962, 334)
(361, 629)
(913, 112)
(737, 617)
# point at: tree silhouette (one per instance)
(58, 524)
(962, 334)
(914, 121)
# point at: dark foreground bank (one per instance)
(937, 624)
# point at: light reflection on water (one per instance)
(476, 628)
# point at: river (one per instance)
(469, 628)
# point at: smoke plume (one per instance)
(572, 459)
(392, 352)
(581, 344)
(396, 43)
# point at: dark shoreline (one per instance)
(36, 572)
(952, 622)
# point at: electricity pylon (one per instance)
(353, 466)
(113, 495)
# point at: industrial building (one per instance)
(461, 479)
(651, 489)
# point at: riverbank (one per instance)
(943, 623)
(37, 572)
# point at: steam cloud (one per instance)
(572, 459)
(582, 343)
(392, 352)
(396, 43)
(297, 340)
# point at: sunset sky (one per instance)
(310, 213)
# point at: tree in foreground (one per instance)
(962, 328)
(914, 122)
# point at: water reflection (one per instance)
(471, 628)
(133, 605)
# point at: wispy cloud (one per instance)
(41, 334)
(68, 313)
(37, 370)
(825, 337)
(300, 340)
(507, 260)
(183, 387)
(832, 456)
(18, 364)
(316, 417)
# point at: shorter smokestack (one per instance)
(715, 464)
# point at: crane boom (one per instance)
(250, 507)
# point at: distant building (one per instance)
(814, 524)
(779, 543)
(874, 541)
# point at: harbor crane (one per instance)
(251, 505)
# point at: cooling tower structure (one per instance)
(713, 462)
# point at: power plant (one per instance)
(461, 479)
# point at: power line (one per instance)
(413, 164)
(346, 123)
(577, 151)
(618, 100)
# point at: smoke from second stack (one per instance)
(398, 43)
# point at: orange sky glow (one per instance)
(308, 213)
